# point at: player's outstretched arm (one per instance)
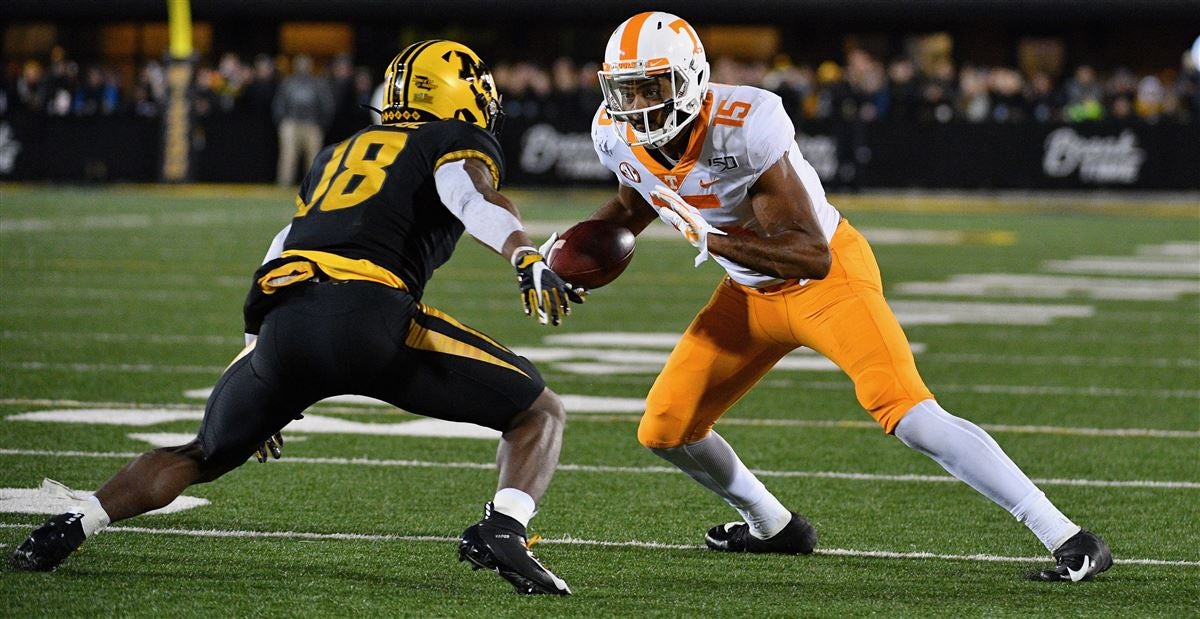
(793, 247)
(467, 188)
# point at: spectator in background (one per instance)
(32, 88)
(1084, 96)
(231, 78)
(589, 85)
(831, 90)
(364, 91)
(1005, 88)
(1119, 93)
(149, 91)
(302, 108)
(204, 94)
(938, 94)
(974, 104)
(1150, 100)
(791, 83)
(530, 88)
(1187, 88)
(568, 101)
(258, 95)
(868, 98)
(1042, 103)
(905, 92)
(348, 117)
(61, 84)
(98, 95)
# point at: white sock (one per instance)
(1043, 518)
(94, 516)
(970, 454)
(515, 504)
(713, 463)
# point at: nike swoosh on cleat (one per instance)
(1082, 572)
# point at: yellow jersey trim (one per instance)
(340, 267)
(286, 275)
(436, 313)
(459, 155)
(421, 338)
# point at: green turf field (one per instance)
(1069, 330)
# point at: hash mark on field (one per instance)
(589, 468)
(574, 541)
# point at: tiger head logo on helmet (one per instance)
(654, 78)
(440, 80)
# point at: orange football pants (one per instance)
(743, 332)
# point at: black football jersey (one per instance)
(372, 197)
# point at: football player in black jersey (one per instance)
(336, 309)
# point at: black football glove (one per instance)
(544, 291)
(273, 446)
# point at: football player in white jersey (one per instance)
(720, 164)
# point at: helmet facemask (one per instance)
(656, 104)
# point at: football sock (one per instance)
(971, 455)
(515, 504)
(94, 516)
(713, 463)
(1043, 518)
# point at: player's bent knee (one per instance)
(192, 451)
(887, 398)
(547, 410)
(655, 432)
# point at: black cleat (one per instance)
(50, 544)
(1079, 558)
(498, 543)
(797, 538)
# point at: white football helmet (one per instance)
(648, 54)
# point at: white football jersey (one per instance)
(740, 132)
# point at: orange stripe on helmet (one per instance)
(629, 38)
(681, 26)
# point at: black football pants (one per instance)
(334, 338)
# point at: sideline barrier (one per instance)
(879, 155)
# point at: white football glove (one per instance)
(548, 246)
(686, 219)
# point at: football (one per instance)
(591, 253)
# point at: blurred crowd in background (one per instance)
(863, 88)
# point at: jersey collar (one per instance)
(690, 156)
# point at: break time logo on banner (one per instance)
(1098, 159)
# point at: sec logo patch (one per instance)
(629, 172)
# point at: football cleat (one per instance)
(1079, 558)
(50, 544)
(498, 543)
(797, 538)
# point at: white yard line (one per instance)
(1101, 392)
(575, 541)
(1040, 390)
(544, 354)
(636, 470)
(138, 368)
(621, 412)
(148, 338)
(996, 428)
